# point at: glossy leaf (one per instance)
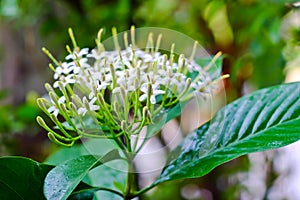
(22, 178)
(101, 176)
(88, 147)
(107, 176)
(63, 179)
(266, 119)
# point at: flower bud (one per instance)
(49, 88)
(56, 141)
(41, 104)
(53, 97)
(41, 122)
(123, 125)
(145, 112)
(50, 56)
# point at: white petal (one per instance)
(84, 51)
(156, 92)
(93, 101)
(56, 76)
(152, 99)
(55, 85)
(91, 95)
(62, 100)
(116, 90)
(82, 111)
(59, 70)
(69, 57)
(94, 107)
(143, 97)
(51, 109)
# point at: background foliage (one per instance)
(254, 35)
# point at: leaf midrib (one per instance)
(190, 164)
(15, 191)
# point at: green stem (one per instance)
(99, 188)
(146, 189)
(118, 142)
(130, 183)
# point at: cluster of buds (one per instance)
(111, 94)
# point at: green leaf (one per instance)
(63, 179)
(22, 178)
(266, 119)
(90, 146)
(109, 172)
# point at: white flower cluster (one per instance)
(130, 70)
(121, 86)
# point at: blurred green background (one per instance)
(260, 40)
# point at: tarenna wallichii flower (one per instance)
(109, 94)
